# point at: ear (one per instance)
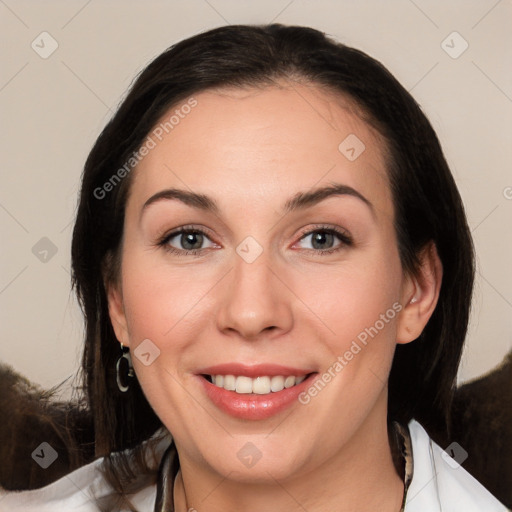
(117, 313)
(420, 293)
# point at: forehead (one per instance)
(264, 143)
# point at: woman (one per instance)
(275, 268)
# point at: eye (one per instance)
(325, 240)
(186, 241)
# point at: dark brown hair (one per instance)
(427, 207)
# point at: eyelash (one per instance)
(343, 237)
(164, 241)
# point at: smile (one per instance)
(253, 392)
(260, 385)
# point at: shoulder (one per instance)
(81, 491)
(78, 491)
(439, 483)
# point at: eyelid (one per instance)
(344, 235)
(163, 239)
(169, 233)
(345, 240)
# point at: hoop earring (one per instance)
(128, 371)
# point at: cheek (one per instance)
(162, 303)
(352, 298)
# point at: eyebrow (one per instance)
(306, 199)
(299, 201)
(200, 201)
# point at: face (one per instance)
(261, 291)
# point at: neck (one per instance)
(361, 476)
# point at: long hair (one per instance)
(427, 206)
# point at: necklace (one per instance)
(169, 467)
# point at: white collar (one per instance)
(436, 486)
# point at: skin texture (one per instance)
(296, 305)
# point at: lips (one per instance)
(254, 392)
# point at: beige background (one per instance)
(53, 109)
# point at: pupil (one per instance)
(320, 239)
(192, 241)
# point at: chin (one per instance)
(258, 459)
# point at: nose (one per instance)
(255, 303)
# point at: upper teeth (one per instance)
(259, 385)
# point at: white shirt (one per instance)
(439, 484)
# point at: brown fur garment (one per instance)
(28, 417)
(482, 425)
